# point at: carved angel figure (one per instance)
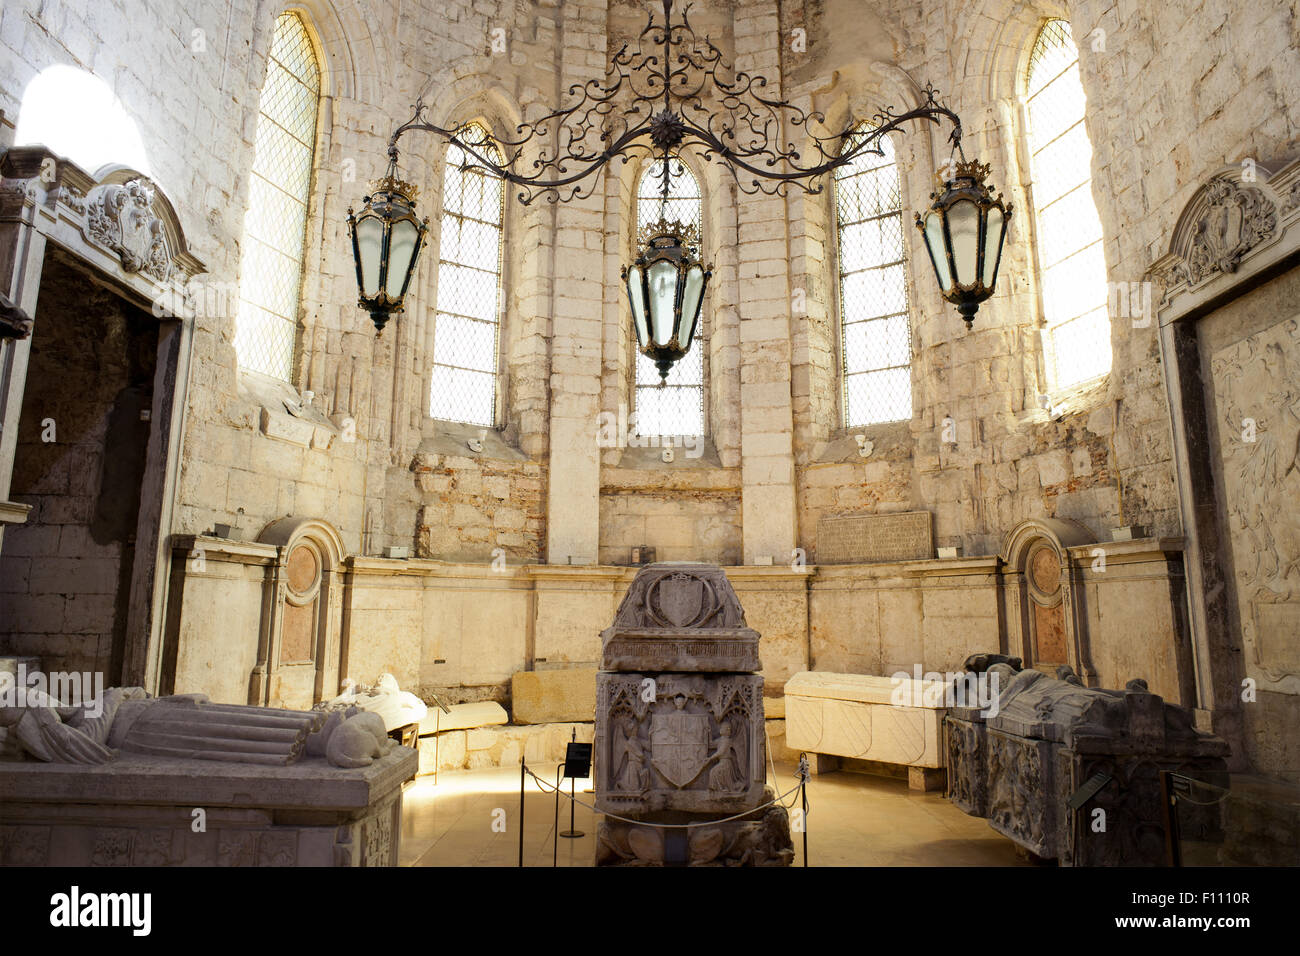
(632, 776)
(726, 774)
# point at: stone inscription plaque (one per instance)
(868, 539)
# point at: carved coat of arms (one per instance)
(121, 217)
(1236, 220)
(679, 745)
(681, 597)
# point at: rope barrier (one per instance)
(772, 763)
(547, 788)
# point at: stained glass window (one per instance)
(876, 338)
(1071, 264)
(275, 226)
(467, 325)
(677, 407)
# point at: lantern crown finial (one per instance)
(965, 175)
(966, 169)
(392, 186)
(683, 231)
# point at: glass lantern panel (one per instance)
(992, 246)
(401, 247)
(691, 304)
(964, 229)
(938, 251)
(635, 295)
(370, 241)
(663, 296)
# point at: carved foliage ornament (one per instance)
(121, 218)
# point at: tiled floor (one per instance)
(470, 819)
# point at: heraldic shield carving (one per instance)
(680, 598)
(679, 744)
(683, 617)
(679, 728)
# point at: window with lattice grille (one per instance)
(466, 333)
(275, 226)
(1071, 264)
(676, 407)
(875, 334)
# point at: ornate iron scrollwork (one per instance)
(674, 91)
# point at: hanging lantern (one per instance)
(963, 231)
(386, 241)
(665, 286)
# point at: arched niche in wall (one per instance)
(1043, 592)
(300, 645)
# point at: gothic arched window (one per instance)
(676, 408)
(875, 334)
(1071, 264)
(275, 226)
(466, 334)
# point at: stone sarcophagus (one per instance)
(679, 728)
(121, 779)
(896, 720)
(1051, 754)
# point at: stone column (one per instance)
(573, 502)
(767, 420)
(22, 255)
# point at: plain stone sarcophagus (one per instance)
(1021, 765)
(679, 728)
(895, 720)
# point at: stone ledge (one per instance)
(138, 779)
(542, 745)
(1135, 551)
(13, 512)
(214, 548)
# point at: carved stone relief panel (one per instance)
(302, 577)
(698, 743)
(1044, 576)
(1256, 384)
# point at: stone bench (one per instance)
(834, 716)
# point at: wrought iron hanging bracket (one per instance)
(672, 92)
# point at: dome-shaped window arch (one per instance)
(279, 190)
(467, 323)
(1067, 228)
(875, 329)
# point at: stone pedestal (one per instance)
(679, 729)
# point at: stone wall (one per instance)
(479, 508)
(462, 630)
(1174, 91)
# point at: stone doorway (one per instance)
(89, 461)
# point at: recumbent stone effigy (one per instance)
(679, 728)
